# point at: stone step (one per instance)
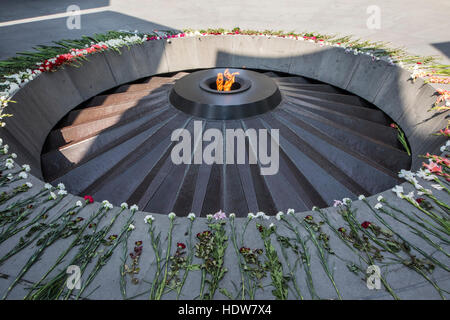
(292, 193)
(377, 131)
(314, 163)
(136, 161)
(291, 80)
(87, 174)
(125, 114)
(373, 115)
(271, 74)
(153, 86)
(119, 98)
(363, 170)
(336, 97)
(59, 161)
(310, 87)
(385, 155)
(98, 112)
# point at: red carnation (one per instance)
(181, 245)
(365, 224)
(88, 199)
(420, 200)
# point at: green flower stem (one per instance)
(416, 231)
(23, 244)
(405, 241)
(323, 258)
(369, 261)
(12, 228)
(291, 271)
(274, 265)
(123, 280)
(244, 277)
(162, 285)
(202, 284)
(307, 258)
(402, 139)
(32, 296)
(103, 259)
(86, 255)
(25, 202)
(189, 261)
(441, 184)
(387, 248)
(437, 219)
(419, 222)
(155, 241)
(54, 236)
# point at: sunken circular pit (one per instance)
(250, 93)
(148, 141)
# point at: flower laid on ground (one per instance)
(191, 216)
(48, 186)
(361, 197)
(131, 227)
(135, 257)
(61, 186)
(62, 192)
(220, 215)
(290, 211)
(337, 203)
(23, 175)
(232, 215)
(279, 215)
(346, 201)
(107, 205)
(425, 174)
(26, 167)
(52, 196)
(250, 216)
(366, 224)
(398, 190)
(445, 146)
(88, 199)
(181, 245)
(79, 203)
(378, 206)
(134, 208)
(443, 96)
(444, 132)
(172, 215)
(149, 219)
(124, 205)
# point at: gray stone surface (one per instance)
(396, 97)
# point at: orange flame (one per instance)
(219, 82)
(230, 80)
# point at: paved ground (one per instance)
(421, 26)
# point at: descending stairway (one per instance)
(117, 146)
